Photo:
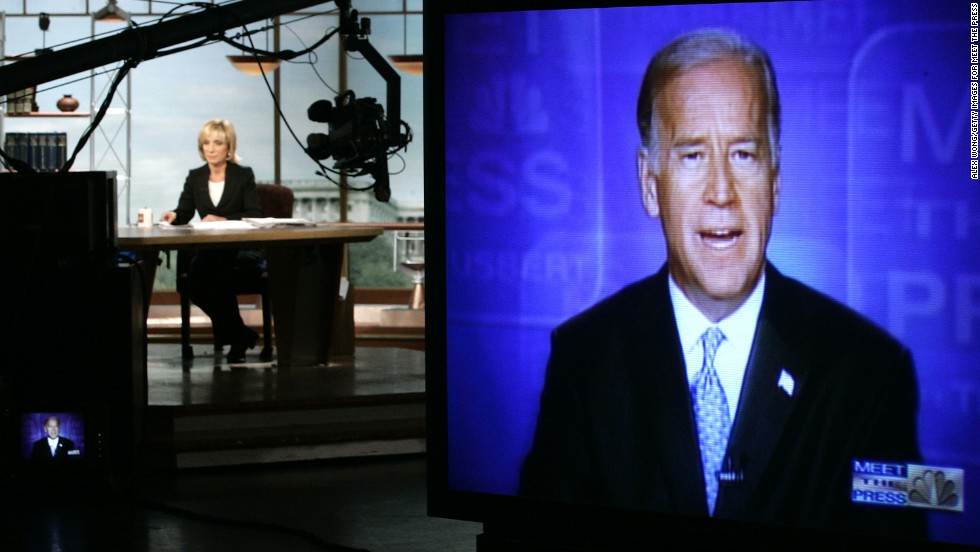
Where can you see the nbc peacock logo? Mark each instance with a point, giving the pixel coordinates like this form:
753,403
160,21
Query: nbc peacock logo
935,488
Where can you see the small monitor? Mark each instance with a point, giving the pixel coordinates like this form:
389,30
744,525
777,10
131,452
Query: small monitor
53,438
60,447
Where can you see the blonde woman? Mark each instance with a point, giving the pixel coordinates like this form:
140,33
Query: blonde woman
222,189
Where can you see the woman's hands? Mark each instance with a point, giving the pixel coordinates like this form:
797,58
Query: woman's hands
170,216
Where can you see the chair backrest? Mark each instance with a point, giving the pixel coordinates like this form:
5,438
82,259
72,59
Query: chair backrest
276,201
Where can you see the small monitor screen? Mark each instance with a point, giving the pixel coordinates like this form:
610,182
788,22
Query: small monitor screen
53,438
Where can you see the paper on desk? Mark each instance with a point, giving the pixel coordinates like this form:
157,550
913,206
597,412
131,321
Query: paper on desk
222,225
267,222
164,225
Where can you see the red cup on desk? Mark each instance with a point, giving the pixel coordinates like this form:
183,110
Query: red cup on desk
144,218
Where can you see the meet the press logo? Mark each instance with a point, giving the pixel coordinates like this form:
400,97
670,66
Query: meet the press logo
912,485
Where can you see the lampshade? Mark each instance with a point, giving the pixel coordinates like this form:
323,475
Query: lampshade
254,65
111,12
411,63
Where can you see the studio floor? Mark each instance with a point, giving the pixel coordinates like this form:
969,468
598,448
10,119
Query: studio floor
323,497
375,504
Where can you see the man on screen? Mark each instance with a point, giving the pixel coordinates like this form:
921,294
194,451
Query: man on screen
718,386
53,448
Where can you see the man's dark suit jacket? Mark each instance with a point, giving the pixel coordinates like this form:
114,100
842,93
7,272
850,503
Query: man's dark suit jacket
41,452
238,200
616,425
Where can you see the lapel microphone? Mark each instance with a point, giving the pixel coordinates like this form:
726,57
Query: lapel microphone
732,472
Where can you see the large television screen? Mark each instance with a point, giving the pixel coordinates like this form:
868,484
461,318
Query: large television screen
605,180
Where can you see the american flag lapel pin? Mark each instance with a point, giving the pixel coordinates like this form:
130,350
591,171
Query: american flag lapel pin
786,382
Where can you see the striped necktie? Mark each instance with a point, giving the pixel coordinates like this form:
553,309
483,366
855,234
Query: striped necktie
711,415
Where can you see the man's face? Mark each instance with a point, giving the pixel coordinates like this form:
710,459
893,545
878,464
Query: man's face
712,183
51,428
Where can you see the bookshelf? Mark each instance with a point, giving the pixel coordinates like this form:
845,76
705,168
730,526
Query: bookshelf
109,146
39,145
49,114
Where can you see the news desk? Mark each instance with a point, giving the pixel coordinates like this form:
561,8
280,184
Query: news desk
304,275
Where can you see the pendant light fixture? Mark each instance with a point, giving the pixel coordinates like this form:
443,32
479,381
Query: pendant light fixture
111,12
255,64
405,62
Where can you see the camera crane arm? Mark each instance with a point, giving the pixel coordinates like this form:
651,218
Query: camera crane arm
137,44
144,42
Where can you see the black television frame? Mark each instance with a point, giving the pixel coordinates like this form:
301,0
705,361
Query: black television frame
520,523
62,254
72,222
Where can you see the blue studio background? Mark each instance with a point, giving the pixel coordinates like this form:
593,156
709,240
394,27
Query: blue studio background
544,216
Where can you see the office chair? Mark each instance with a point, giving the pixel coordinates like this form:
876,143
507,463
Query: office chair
275,201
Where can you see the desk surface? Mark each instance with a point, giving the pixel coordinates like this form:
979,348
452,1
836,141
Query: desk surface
134,238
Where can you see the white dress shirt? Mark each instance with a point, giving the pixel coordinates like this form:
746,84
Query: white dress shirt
53,445
215,189
732,357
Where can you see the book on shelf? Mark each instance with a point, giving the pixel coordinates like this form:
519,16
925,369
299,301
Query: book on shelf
43,151
21,102
61,146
